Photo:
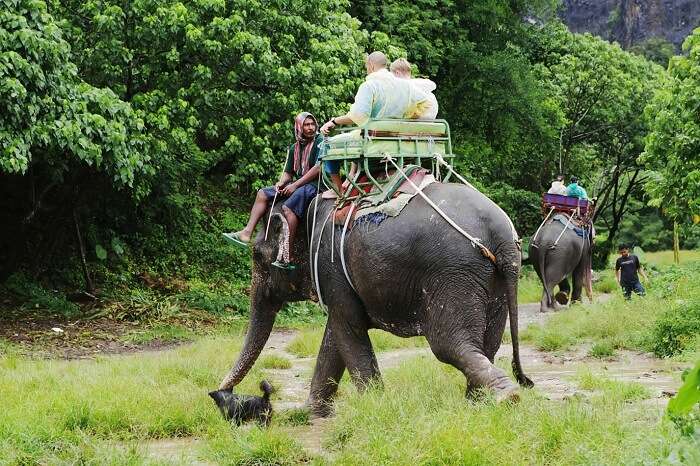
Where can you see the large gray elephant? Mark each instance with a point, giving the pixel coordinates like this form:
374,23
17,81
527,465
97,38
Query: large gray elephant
558,252
410,275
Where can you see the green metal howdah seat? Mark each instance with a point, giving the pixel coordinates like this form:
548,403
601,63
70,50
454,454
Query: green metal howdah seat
373,148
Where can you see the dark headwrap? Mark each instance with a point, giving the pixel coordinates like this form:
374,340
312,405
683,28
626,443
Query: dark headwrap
302,159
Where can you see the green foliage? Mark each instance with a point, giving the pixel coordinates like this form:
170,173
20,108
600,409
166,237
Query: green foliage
52,119
219,82
601,350
676,329
656,49
666,321
673,144
683,407
35,296
606,283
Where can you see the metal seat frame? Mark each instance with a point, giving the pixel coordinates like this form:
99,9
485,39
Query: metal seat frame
364,160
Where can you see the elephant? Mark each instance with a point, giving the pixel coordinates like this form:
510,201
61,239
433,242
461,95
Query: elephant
411,274
557,252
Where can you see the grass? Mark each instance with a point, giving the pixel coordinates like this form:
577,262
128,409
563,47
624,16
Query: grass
67,411
664,258
274,361
308,341
164,332
602,350
421,417
624,391
615,323
529,287
661,322
103,411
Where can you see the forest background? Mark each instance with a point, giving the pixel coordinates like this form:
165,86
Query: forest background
135,132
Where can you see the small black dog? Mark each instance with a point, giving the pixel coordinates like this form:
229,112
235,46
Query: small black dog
242,408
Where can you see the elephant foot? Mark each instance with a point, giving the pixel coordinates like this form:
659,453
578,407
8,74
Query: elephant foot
562,298
508,395
319,409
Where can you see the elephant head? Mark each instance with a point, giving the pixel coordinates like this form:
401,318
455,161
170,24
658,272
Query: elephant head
270,288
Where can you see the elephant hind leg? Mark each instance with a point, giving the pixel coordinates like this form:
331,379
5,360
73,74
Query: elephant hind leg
476,367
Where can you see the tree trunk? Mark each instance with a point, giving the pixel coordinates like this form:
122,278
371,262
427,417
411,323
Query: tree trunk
90,288
676,244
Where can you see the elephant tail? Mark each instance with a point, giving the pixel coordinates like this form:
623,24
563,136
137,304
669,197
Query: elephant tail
512,302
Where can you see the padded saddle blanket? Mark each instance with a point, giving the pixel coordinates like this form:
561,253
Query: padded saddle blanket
580,230
401,192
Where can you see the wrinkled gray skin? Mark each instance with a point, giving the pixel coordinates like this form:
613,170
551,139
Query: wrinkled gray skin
413,275
570,257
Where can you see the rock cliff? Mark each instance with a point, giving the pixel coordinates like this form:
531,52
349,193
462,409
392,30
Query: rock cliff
631,22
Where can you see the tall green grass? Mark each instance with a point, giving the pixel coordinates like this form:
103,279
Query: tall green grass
65,411
421,417
666,321
529,287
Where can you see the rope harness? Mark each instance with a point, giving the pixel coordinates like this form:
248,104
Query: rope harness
476,242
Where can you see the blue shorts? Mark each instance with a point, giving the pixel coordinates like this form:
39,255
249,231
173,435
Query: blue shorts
628,288
299,201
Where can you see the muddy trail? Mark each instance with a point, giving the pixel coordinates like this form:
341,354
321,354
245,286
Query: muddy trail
552,373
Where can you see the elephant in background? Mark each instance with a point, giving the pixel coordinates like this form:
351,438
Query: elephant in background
409,275
557,252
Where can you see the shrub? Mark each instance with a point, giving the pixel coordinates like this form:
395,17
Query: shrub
676,329
33,295
601,350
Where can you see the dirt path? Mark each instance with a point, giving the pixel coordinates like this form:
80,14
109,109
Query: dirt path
553,373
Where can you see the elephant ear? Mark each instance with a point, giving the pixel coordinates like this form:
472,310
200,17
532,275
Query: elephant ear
282,235
271,240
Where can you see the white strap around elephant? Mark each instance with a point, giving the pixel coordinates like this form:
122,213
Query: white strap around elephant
534,237
442,161
475,241
568,222
342,246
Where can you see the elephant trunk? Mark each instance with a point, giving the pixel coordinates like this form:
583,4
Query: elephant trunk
262,317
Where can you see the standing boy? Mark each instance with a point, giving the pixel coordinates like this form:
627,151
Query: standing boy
626,268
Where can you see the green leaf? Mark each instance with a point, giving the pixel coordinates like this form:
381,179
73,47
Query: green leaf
688,395
100,252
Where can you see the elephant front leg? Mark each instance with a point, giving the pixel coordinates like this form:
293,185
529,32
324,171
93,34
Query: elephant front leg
327,374
355,347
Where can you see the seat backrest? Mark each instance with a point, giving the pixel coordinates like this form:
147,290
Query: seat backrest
435,128
565,203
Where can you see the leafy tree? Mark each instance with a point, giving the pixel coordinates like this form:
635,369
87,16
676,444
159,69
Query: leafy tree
673,145
63,142
219,81
501,117
600,88
656,49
